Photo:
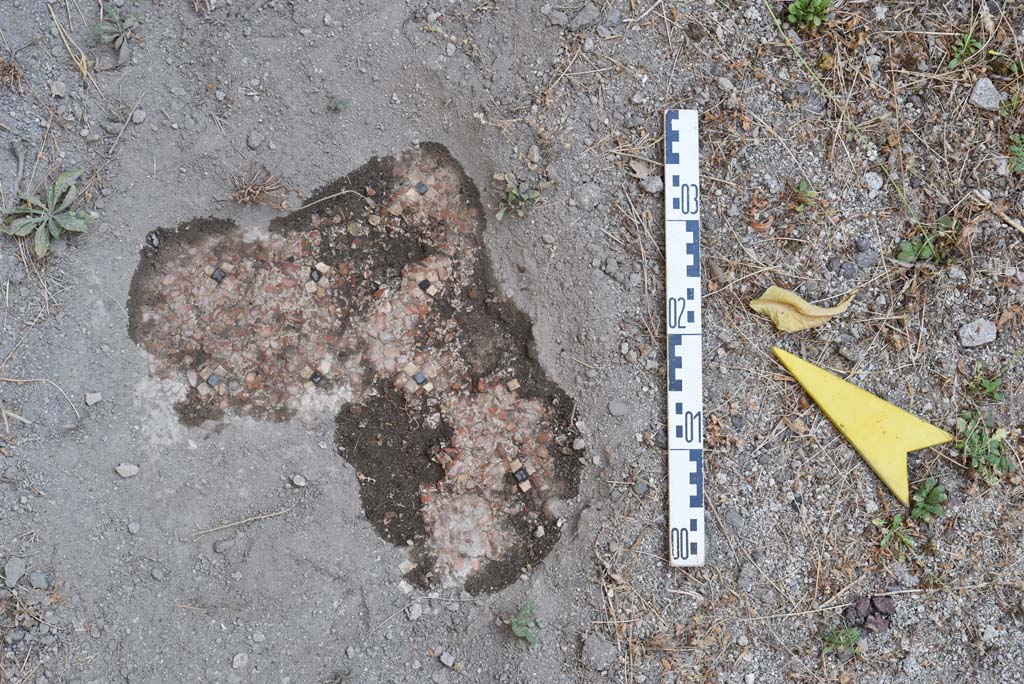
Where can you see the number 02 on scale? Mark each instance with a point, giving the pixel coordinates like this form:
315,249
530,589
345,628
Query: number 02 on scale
683,328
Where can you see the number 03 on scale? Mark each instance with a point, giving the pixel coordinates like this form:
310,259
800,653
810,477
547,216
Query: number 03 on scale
683,329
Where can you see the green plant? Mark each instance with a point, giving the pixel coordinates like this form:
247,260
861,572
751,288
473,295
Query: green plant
988,387
337,104
928,500
895,530
48,216
522,623
515,197
841,640
981,444
963,49
804,195
929,246
808,13
991,387
345,676
1017,152
116,28
1009,106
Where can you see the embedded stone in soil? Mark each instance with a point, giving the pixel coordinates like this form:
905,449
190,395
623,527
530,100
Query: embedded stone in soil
375,301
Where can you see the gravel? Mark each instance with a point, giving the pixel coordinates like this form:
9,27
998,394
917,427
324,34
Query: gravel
254,140
586,18
977,333
14,568
598,654
986,96
127,470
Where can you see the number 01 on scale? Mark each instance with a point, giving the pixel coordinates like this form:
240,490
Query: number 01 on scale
683,329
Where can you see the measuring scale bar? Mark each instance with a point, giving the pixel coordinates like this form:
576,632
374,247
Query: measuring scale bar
684,328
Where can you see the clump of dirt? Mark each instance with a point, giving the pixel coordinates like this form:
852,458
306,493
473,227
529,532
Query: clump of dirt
376,301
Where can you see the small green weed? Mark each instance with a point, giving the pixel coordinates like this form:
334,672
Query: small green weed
116,29
963,49
1017,152
841,640
337,104
981,444
988,387
894,533
804,195
522,623
930,246
808,13
516,198
49,216
991,386
1009,106
344,676
928,500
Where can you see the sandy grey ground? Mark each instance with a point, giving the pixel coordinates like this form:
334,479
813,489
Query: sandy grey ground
129,593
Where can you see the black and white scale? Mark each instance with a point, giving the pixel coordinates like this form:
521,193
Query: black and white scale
683,329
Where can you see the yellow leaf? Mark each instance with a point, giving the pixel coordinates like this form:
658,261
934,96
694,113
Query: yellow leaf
790,313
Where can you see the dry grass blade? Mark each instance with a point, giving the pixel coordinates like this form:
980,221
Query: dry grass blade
258,186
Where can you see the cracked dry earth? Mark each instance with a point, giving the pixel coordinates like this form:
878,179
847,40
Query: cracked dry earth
374,302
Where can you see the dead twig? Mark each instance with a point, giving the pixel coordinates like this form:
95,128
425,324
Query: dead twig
258,186
25,381
255,518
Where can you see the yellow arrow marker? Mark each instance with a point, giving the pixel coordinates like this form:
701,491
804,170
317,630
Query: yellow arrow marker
880,432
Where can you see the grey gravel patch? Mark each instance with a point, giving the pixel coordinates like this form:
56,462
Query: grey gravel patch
652,184
39,580
977,333
222,545
14,568
254,140
986,96
586,18
587,196
598,654
874,182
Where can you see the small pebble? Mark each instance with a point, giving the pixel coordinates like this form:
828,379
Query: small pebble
617,407
977,333
93,398
127,470
138,116
447,659
986,96
239,661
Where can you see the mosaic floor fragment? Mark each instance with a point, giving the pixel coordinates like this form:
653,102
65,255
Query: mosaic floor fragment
376,302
